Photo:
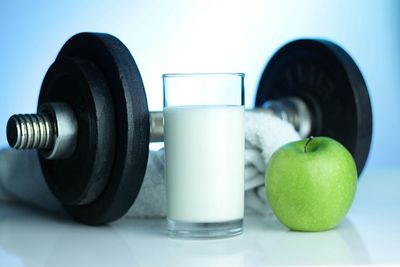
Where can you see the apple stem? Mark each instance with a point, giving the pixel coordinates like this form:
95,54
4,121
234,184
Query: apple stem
308,141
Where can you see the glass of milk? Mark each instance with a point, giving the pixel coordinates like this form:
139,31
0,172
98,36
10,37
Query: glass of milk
204,146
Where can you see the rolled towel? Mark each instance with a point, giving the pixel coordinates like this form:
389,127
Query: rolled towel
21,178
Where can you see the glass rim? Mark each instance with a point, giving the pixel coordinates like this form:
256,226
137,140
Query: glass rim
194,74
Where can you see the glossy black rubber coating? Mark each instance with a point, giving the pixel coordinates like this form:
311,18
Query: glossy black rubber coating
81,178
125,163
329,81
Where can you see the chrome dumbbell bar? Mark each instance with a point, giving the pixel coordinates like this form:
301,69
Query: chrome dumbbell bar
54,129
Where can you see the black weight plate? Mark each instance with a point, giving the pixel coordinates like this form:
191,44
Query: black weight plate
125,85
323,75
81,178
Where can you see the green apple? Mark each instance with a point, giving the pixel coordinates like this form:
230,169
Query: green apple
311,183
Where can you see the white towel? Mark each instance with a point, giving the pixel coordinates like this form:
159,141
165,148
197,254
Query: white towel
21,178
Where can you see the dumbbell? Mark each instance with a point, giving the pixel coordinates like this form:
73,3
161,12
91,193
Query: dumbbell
93,126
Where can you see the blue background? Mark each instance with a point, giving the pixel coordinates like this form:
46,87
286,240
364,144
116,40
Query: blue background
206,36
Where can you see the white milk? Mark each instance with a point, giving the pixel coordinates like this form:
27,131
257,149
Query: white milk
204,163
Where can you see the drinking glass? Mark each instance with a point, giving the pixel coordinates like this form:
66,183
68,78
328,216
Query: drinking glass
204,146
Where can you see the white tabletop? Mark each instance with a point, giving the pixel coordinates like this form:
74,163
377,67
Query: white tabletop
370,234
